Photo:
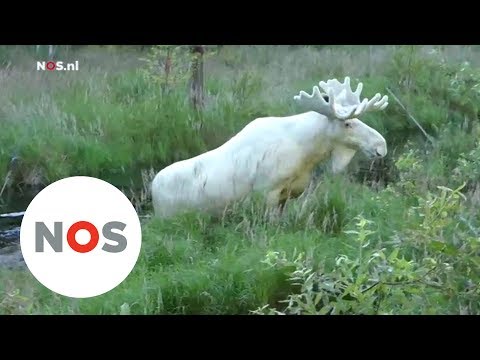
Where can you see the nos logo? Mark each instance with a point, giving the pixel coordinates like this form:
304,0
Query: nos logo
55,240
80,237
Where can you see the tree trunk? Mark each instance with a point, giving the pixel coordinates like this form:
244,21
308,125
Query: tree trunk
51,51
197,80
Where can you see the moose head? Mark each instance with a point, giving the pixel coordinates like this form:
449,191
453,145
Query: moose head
342,107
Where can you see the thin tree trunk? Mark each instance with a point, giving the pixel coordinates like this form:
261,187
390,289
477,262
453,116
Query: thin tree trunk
51,51
167,69
197,80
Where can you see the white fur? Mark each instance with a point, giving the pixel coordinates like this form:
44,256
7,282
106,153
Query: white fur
272,155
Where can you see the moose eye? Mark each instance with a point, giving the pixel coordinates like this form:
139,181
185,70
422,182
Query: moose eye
348,124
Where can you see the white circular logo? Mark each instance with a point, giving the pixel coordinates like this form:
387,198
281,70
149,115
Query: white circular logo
80,237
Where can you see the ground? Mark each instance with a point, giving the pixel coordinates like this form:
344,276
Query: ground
399,236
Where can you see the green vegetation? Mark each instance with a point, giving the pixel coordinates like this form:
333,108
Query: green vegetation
401,236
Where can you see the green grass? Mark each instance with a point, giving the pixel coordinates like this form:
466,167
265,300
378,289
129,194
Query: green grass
387,239
201,265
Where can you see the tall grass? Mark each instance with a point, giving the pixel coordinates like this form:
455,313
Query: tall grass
397,237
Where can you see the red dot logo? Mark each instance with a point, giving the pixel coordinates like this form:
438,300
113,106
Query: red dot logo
83,225
51,65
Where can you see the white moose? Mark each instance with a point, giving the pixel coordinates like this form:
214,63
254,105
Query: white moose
274,155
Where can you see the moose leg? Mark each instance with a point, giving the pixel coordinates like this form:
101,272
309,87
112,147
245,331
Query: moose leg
297,187
281,204
300,184
277,198
273,198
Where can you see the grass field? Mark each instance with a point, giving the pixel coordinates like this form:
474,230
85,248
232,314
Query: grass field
401,236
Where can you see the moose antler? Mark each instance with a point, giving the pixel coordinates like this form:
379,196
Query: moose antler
342,102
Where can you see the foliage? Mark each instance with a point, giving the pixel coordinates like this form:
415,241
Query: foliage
406,242
389,281
167,66
468,165
170,66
